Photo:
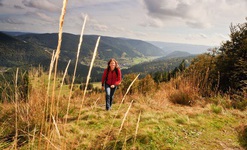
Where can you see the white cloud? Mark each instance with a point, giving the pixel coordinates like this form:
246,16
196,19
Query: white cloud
219,35
11,20
99,27
18,7
185,21
196,36
195,14
152,22
44,17
42,5
203,35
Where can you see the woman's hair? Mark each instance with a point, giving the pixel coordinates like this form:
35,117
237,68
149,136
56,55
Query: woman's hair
112,59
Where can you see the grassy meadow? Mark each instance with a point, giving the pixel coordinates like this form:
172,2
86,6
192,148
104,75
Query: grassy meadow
60,116
136,121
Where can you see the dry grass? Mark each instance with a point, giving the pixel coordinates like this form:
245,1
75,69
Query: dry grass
153,122
89,74
159,119
77,57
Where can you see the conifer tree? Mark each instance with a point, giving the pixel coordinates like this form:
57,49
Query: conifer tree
232,60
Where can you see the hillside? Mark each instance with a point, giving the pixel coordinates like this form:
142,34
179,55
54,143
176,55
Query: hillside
17,53
31,49
14,52
34,48
109,47
149,121
160,64
176,54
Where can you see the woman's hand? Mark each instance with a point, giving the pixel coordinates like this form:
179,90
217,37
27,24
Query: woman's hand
112,86
103,88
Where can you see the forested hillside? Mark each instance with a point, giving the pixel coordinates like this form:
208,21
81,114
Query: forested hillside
109,47
14,52
36,49
165,65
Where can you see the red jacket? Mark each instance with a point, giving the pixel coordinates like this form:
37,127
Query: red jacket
113,78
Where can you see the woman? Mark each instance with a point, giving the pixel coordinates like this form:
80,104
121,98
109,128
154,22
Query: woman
110,80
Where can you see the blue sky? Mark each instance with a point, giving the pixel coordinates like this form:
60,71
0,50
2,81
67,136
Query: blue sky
201,22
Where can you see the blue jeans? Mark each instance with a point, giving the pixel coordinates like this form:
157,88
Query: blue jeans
109,95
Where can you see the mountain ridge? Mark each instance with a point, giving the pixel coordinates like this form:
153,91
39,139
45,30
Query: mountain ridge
124,50
117,46
169,47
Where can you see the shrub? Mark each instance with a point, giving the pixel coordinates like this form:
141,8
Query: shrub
180,97
127,80
239,102
146,85
223,101
216,109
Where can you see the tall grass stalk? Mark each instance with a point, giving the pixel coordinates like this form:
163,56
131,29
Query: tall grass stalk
125,142
124,118
58,52
49,82
28,129
56,60
50,71
61,86
16,109
77,57
137,126
118,110
95,103
49,141
88,76
128,91
34,131
46,105
56,127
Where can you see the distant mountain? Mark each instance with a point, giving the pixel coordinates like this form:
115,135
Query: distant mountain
17,53
35,49
109,47
176,54
165,64
12,33
14,52
190,48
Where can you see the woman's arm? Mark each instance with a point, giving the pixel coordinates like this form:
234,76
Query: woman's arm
103,78
119,77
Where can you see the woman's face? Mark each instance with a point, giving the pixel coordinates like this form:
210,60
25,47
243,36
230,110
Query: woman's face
112,65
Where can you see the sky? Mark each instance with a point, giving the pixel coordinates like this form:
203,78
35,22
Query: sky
200,22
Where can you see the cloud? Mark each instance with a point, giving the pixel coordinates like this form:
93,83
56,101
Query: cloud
203,35
152,22
198,24
196,36
221,36
196,14
42,5
11,20
40,15
18,7
164,9
44,17
193,13
95,25
99,27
